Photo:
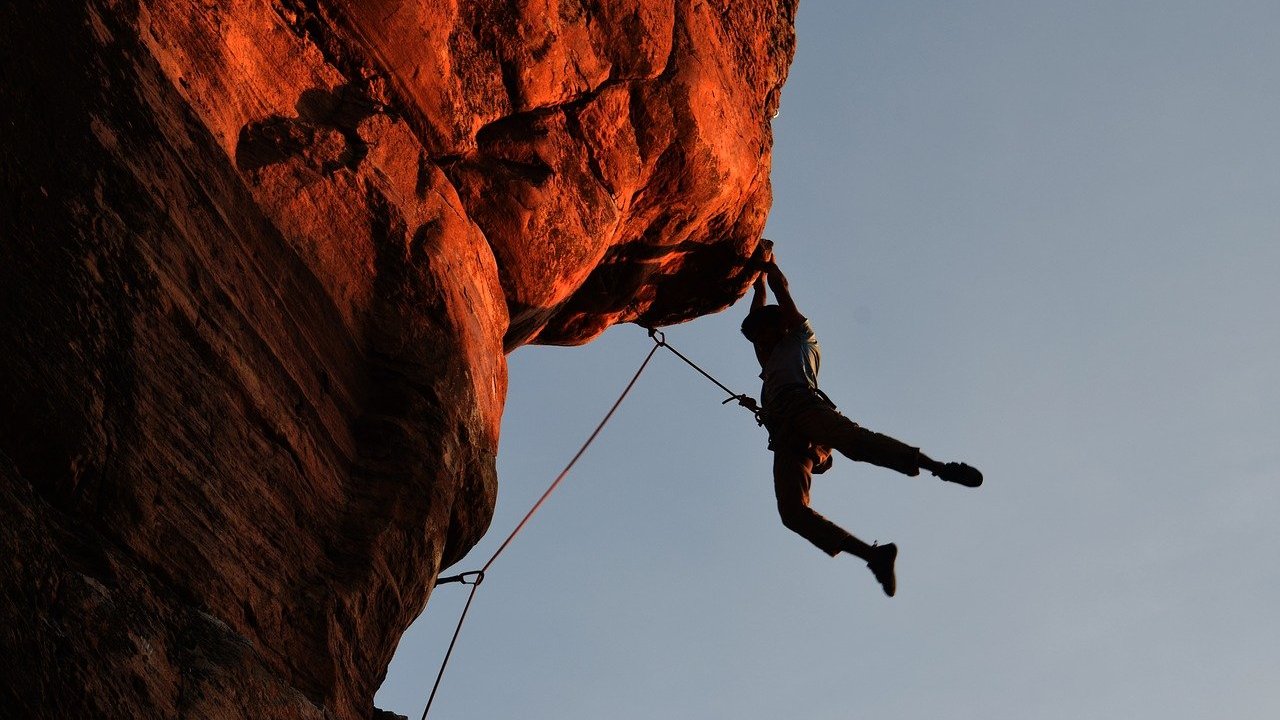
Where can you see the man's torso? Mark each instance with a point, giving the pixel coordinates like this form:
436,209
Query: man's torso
792,364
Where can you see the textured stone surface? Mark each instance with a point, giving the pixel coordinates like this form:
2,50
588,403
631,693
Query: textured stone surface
261,264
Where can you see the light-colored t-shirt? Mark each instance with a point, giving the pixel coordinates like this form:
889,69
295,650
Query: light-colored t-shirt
794,361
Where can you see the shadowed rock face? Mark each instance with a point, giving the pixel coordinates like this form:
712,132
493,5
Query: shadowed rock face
261,263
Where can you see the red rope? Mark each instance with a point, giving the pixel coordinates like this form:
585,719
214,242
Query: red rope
554,484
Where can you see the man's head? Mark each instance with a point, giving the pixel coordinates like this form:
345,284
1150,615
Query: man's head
763,324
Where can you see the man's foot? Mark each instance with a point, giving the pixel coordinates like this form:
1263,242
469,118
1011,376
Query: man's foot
881,565
960,474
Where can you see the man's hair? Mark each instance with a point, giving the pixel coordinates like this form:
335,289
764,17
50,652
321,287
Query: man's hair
759,319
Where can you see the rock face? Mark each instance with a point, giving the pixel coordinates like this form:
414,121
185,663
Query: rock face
261,263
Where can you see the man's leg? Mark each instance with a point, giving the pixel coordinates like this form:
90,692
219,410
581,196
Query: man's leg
825,426
792,475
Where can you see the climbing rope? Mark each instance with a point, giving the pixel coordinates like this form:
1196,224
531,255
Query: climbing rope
745,401
475,577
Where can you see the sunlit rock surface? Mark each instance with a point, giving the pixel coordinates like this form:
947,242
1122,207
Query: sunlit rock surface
261,263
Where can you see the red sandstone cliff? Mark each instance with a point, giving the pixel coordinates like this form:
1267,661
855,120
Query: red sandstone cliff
261,262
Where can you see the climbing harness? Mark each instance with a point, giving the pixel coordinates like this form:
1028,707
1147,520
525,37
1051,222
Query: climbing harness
475,577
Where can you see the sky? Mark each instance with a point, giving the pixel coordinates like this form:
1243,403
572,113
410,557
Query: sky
1039,237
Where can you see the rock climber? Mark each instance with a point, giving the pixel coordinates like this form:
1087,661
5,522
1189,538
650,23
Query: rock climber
804,425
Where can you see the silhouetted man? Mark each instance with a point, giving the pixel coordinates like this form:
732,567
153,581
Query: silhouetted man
804,426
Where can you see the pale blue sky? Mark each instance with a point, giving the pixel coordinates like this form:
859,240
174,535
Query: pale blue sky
1043,237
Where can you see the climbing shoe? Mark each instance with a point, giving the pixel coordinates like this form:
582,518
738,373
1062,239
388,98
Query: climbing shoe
960,474
881,565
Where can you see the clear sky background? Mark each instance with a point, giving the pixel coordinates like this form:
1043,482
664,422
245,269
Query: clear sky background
1042,237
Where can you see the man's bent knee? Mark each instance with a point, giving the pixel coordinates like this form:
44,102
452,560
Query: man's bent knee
796,517
810,525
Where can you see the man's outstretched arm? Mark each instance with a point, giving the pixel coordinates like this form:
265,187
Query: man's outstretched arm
791,315
765,253
760,296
